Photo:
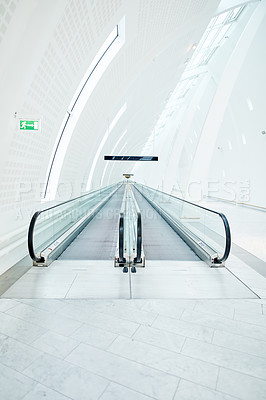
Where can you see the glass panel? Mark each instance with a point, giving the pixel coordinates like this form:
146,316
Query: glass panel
209,54
235,13
221,34
210,37
130,211
54,222
221,18
204,226
197,60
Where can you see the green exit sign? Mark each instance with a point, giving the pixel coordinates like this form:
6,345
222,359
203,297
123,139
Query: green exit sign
26,125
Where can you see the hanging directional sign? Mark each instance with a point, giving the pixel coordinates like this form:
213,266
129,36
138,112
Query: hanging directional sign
131,158
26,125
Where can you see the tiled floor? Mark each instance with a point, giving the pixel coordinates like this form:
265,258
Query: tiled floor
159,279
58,349
173,331
83,330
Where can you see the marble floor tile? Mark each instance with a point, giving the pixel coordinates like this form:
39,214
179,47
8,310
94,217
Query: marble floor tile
242,386
7,304
248,306
191,391
235,360
165,360
251,301
98,287
118,392
15,354
111,352
14,385
100,320
67,379
93,336
157,337
224,324
51,305
41,392
83,306
57,323
125,311
45,279
251,318
81,309
170,308
101,305
260,292
32,290
213,284
240,343
16,328
132,303
55,344
223,308
184,328
130,374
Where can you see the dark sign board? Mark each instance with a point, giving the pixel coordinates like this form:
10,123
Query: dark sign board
131,158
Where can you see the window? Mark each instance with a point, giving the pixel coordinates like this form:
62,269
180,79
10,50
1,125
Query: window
216,31
213,36
103,58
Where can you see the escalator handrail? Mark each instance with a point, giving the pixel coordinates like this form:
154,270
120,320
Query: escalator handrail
227,239
221,215
76,198
138,258
121,258
32,254
35,216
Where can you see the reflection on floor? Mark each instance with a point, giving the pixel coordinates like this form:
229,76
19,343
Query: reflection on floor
61,349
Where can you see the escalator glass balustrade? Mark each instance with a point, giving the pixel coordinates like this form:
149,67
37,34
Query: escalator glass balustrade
51,230
206,231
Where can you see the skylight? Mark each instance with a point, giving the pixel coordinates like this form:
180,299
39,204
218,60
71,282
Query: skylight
212,38
103,58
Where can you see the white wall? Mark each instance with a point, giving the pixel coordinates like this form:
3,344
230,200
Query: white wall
230,156
214,145
241,159
46,47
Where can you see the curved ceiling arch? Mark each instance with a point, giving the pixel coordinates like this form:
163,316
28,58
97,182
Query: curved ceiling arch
100,63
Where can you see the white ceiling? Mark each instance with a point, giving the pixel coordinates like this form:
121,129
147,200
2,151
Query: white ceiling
159,39
46,48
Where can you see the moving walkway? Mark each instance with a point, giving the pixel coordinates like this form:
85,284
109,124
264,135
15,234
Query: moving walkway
113,223
53,229
205,231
